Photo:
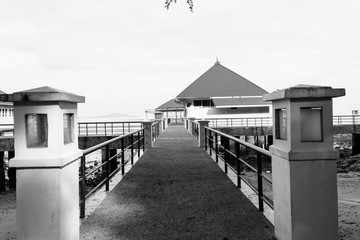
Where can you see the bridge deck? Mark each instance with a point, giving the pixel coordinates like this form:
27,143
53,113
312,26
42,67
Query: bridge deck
176,191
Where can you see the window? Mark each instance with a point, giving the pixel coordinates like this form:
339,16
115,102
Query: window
311,124
197,103
36,126
281,124
68,128
203,103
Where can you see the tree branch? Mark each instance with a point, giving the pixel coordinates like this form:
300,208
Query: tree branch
189,2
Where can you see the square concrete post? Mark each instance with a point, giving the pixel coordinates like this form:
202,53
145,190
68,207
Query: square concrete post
190,121
304,163
46,146
148,134
165,120
202,124
160,123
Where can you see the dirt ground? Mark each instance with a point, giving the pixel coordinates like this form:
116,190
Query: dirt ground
349,205
348,196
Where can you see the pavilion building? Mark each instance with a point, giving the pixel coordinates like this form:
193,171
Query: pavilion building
222,93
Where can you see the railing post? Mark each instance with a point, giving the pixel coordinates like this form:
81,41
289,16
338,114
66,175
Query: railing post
122,156
237,152
260,182
132,148
82,187
225,144
216,147
107,172
143,139
148,137
202,132
355,143
210,141
304,163
139,144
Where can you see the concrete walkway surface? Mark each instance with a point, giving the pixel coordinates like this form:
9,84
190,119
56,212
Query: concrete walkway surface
176,191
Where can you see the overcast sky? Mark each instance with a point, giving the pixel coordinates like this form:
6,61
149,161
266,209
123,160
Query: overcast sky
128,56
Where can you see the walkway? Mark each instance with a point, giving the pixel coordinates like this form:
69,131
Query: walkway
176,191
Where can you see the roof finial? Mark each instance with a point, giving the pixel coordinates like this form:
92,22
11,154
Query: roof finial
217,60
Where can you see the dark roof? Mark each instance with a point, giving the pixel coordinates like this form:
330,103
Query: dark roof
45,93
171,104
232,102
220,81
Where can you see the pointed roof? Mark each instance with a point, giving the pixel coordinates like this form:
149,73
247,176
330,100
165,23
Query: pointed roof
171,104
220,81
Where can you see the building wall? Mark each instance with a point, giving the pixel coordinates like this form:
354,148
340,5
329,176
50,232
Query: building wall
238,112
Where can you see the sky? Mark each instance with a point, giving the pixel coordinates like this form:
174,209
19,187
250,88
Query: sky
128,56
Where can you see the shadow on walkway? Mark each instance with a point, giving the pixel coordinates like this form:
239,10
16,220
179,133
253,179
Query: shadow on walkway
176,191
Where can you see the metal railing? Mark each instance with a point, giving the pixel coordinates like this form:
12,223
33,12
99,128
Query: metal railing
107,128
268,121
240,122
135,142
346,120
237,155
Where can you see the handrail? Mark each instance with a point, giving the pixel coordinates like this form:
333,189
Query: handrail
268,121
101,145
138,144
108,128
212,138
249,145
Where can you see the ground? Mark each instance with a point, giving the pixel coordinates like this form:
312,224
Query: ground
349,209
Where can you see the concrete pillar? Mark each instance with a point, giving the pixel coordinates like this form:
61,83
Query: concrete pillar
165,123
304,163
190,121
160,123
2,172
47,174
202,124
11,171
148,134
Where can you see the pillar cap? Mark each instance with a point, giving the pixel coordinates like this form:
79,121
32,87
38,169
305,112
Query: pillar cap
42,94
305,91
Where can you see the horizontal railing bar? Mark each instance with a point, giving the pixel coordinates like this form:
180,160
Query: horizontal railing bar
97,187
249,145
96,147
